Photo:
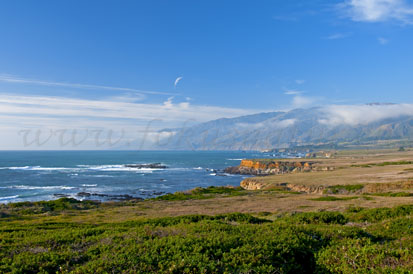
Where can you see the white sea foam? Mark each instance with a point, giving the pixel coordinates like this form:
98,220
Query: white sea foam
91,185
16,168
178,169
100,176
198,167
37,187
9,197
83,168
235,159
118,168
39,168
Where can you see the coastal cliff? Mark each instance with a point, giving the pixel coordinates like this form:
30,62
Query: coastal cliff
270,167
254,184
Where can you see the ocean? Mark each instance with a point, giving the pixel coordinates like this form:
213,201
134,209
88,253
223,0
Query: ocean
102,175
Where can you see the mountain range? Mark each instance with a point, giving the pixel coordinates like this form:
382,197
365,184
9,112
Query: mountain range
334,125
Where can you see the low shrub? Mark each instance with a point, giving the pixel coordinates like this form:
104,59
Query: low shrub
392,194
24,208
343,188
320,218
379,214
333,198
202,193
317,242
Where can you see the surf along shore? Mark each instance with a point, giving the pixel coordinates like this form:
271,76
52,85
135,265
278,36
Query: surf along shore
351,212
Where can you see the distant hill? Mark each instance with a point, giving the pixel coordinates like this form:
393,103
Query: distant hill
377,124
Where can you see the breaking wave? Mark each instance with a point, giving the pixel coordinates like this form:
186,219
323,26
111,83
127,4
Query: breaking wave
9,197
37,187
83,168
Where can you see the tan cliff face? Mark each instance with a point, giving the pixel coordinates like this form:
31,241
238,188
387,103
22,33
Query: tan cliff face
254,184
269,167
263,167
274,164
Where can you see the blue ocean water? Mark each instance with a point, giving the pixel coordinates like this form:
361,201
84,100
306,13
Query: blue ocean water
46,175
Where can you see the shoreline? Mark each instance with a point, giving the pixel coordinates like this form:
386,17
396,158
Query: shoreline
360,221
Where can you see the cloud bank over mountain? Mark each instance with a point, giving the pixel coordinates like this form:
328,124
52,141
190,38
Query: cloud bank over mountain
318,125
363,114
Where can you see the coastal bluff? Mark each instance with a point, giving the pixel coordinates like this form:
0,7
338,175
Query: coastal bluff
272,167
265,167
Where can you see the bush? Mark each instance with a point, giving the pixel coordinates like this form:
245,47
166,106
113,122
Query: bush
343,188
379,214
318,242
321,218
202,193
333,198
24,208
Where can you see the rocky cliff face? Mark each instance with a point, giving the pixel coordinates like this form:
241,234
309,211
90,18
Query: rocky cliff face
254,184
269,167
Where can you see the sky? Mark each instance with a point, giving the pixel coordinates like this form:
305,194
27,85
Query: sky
126,69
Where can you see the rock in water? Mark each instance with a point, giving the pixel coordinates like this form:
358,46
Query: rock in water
154,165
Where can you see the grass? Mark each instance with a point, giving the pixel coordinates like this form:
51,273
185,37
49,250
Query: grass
333,198
202,193
29,208
392,194
396,163
314,242
280,189
343,188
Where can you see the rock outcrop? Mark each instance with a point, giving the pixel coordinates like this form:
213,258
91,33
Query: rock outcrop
269,167
139,166
256,184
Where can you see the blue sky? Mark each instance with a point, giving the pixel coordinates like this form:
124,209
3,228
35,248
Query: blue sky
112,64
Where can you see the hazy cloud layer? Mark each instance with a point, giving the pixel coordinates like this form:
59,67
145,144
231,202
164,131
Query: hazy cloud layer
18,80
363,114
24,112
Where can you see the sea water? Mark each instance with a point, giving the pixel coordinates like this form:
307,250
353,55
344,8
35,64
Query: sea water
46,175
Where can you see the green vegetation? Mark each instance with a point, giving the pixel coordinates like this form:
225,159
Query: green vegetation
385,164
280,189
322,242
392,194
27,208
333,198
202,193
380,214
343,188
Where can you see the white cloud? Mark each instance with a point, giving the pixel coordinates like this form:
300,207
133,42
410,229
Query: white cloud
299,81
46,113
18,80
184,105
168,103
285,123
382,41
292,92
300,101
379,10
279,124
337,36
363,114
